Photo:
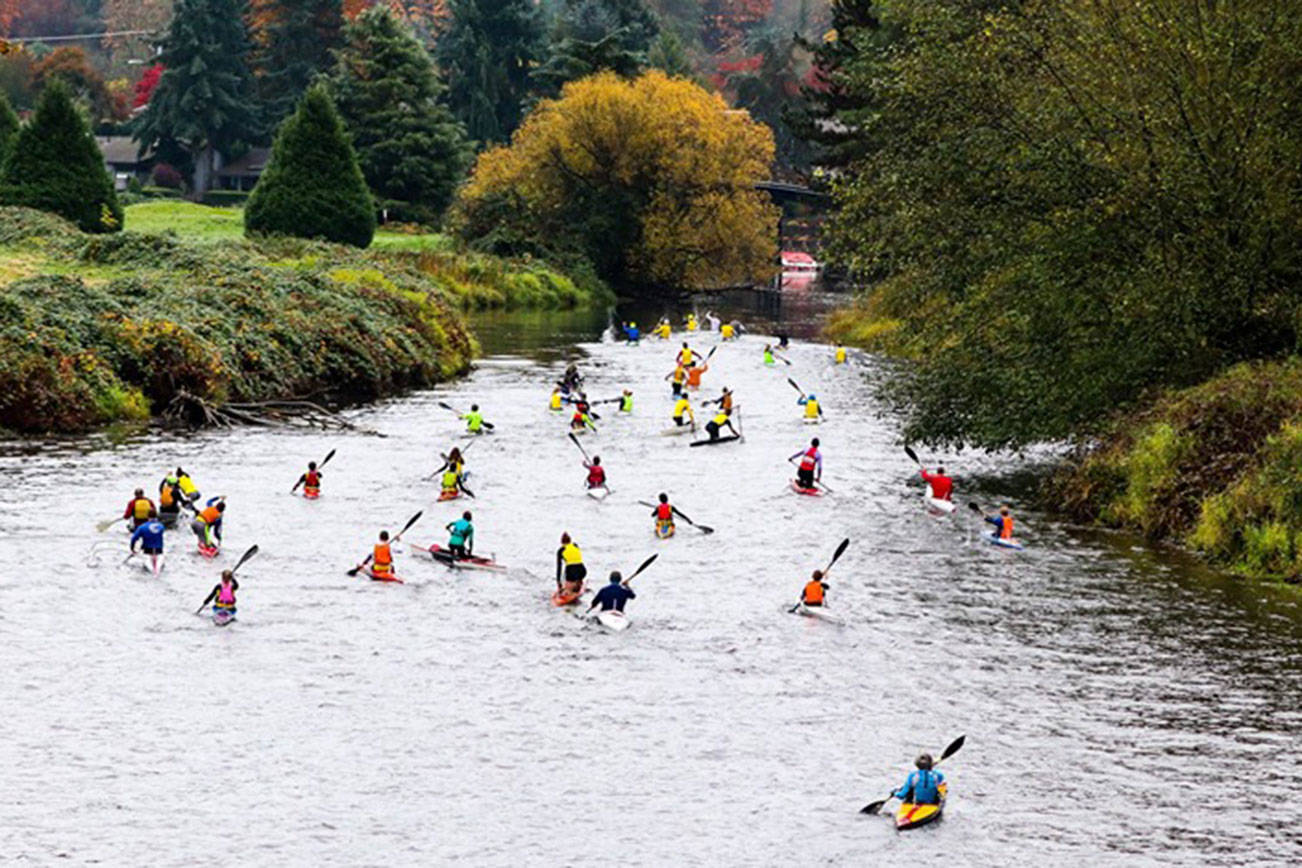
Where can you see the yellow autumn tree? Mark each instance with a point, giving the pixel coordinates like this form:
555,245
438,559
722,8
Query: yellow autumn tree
651,179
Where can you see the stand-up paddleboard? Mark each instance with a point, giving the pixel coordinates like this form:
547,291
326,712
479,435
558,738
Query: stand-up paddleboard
613,620
808,492
474,562
993,539
568,598
222,616
728,439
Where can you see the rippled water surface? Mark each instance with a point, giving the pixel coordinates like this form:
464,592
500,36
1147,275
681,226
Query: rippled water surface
1122,706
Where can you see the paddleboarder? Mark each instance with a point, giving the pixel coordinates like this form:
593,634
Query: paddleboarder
722,418
815,591
140,509
569,565
311,481
461,542
150,537
222,595
614,596
942,487
922,786
811,461
683,413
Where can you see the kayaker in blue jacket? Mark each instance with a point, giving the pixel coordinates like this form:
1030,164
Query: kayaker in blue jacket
614,595
922,787
461,543
150,537
632,332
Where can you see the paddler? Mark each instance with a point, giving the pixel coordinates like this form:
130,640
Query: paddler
724,401
596,473
683,413
222,596
170,501
581,420
140,509
721,419
942,487
840,357
727,332
381,558
188,488
664,516
691,323
207,525
768,355
711,321
783,342
679,375
557,401
687,356
626,402
569,564
810,460
810,403
632,332
150,537
694,375
572,379
474,420
664,329
452,469
921,787
1003,522
311,481
613,596
461,542
815,592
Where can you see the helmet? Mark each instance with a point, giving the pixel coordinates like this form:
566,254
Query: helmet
813,397
923,762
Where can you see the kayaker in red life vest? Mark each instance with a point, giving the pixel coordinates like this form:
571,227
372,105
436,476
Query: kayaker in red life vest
1003,522
811,460
942,487
664,515
140,509
311,481
815,590
596,473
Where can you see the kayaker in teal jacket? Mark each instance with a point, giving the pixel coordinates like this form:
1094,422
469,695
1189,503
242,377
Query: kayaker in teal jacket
462,541
922,787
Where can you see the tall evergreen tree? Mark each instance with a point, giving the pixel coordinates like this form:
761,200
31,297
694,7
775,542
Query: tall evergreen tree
485,56
412,151
590,36
204,104
56,166
313,187
8,128
293,41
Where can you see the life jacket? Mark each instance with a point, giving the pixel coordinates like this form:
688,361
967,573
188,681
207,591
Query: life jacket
596,475
450,480
187,485
312,479
682,407
680,374
726,403
626,404
167,495
382,559
685,356
664,512
211,515
694,376
1006,527
726,331
809,460
556,401
578,420
691,325
226,596
811,409
768,357
571,554
474,421
840,355
140,508
814,593
721,419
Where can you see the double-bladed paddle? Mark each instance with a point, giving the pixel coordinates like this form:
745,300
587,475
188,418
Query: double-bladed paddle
840,550
908,450
646,563
796,386
322,463
575,441
488,425
874,807
406,527
701,527
105,525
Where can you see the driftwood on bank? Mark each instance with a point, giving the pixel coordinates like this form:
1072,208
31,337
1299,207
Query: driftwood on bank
188,409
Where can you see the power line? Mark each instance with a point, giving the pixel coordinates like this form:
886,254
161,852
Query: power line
73,37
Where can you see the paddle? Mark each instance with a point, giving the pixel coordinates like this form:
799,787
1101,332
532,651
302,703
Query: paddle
406,527
322,463
711,352
840,550
253,550
105,525
818,483
874,807
575,441
488,425
908,450
702,528
646,563
796,386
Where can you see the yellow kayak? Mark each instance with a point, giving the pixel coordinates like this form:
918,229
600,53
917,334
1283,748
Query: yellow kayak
911,816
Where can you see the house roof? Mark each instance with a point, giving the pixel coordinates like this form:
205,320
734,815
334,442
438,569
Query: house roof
251,165
121,150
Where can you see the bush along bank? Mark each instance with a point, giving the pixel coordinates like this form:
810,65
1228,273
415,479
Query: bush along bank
97,329
1216,467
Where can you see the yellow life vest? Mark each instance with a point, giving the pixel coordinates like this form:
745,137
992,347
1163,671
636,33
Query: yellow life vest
682,407
721,419
187,486
571,555
840,355
811,409
556,401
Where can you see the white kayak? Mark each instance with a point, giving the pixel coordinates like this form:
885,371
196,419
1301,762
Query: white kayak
613,620
1003,543
678,429
938,507
819,612
599,493
812,420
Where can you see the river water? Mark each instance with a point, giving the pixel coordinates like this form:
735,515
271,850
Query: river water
1122,706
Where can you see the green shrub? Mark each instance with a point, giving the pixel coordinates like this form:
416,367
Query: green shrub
225,198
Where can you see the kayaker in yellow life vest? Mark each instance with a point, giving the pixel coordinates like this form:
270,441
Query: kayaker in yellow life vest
679,375
726,331
188,488
812,409
626,402
815,592
664,330
691,322
687,356
840,355
474,420
453,469
718,422
683,413
557,402
569,563
140,509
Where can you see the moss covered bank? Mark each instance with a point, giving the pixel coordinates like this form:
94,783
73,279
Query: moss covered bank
97,329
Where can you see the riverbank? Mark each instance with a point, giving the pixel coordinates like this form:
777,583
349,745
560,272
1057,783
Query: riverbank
101,329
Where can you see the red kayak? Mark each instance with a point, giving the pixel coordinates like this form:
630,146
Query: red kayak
310,494
567,598
474,562
808,492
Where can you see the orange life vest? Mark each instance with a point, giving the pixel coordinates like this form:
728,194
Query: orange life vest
211,514
814,593
664,512
694,376
383,558
166,496
685,357
1006,529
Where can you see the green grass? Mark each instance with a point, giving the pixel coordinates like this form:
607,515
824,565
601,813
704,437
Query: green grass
206,224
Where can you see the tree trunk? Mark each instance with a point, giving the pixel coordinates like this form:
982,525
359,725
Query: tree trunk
201,179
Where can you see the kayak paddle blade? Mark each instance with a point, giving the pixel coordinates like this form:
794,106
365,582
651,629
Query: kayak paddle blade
795,386
953,747
873,807
326,460
840,550
253,550
908,450
973,506
646,563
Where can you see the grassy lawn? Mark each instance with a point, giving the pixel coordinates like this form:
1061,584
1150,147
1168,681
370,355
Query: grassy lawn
206,224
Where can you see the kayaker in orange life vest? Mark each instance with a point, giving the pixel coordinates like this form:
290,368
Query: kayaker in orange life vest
207,525
171,500
942,487
381,557
810,460
311,481
1003,522
815,590
140,509
663,515
694,375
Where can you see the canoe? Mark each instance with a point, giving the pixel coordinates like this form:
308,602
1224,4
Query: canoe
567,598
384,577
1003,543
449,494
911,816
613,620
678,429
938,507
473,562
808,492
664,530
728,439
222,616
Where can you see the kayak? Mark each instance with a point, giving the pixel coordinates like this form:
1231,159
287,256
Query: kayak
911,816
664,530
598,495
449,494
473,562
938,507
311,495
384,577
808,492
567,598
613,620
222,616
819,612
812,420
579,432
728,439
679,429
169,519
208,551
1003,543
